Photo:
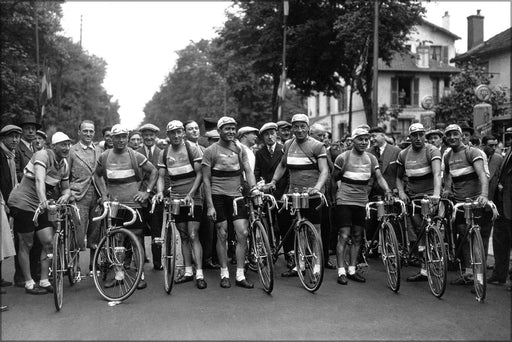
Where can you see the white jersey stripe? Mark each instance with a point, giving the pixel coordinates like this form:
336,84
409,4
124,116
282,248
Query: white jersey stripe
298,161
418,172
362,176
462,171
179,170
120,174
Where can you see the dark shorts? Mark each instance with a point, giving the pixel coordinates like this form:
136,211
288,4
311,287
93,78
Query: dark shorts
23,221
224,208
184,216
313,215
124,215
349,216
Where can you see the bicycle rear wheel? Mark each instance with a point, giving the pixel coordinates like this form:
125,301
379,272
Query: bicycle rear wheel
263,255
437,263
478,263
169,256
58,269
73,252
390,255
118,264
309,256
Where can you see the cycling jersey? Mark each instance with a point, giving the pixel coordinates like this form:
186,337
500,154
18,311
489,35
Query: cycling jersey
418,169
25,197
466,183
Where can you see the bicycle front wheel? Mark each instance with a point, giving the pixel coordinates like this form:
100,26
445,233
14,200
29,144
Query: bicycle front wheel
390,255
118,264
263,256
169,256
478,263
58,269
437,265
309,256
73,252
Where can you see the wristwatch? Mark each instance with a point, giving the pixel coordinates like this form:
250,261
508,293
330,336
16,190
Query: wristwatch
148,190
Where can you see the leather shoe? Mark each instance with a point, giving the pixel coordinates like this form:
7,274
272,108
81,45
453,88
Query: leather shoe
211,265
5,283
290,273
48,288
417,277
201,283
494,280
184,279
158,267
36,290
356,277
112,283
342,279
224,283
244,283
329,265
142,284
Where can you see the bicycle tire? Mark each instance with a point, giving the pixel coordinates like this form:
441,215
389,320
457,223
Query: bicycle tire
169,256
73,253
437,262
58,269
309,258
390,255
478,263
251,262
119,254
263,255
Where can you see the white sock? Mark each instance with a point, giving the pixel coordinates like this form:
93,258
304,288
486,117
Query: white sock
188,271
240,274
342,271
44,282
199,274
142,276
224,273
29,284
423,272
351,270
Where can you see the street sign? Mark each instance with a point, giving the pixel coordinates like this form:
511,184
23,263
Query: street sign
427,102
483,93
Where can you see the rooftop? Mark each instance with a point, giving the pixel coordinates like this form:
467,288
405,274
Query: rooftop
407,62
499,43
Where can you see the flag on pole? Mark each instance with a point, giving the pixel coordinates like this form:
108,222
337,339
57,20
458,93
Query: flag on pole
286,8
46,89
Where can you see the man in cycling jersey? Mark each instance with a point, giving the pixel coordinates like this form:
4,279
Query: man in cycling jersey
421,163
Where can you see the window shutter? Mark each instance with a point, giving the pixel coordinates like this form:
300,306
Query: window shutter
416,92
394,91
444,54
435,90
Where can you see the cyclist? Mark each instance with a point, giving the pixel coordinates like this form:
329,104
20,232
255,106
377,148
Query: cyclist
182,160
464,177
46,173
306,160
223,165
421,163
119,174
354,168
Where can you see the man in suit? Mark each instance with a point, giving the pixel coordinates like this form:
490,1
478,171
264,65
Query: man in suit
24,152
152,153
83,158
267,160
502,235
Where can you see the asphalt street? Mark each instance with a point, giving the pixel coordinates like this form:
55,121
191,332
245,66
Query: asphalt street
358,311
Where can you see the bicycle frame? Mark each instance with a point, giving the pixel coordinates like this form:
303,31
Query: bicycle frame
387,217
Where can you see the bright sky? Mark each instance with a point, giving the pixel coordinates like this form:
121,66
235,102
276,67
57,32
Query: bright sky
138,40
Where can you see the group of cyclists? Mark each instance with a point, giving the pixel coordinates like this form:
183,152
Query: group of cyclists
136,168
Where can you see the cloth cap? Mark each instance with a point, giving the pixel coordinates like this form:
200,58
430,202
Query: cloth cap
267,126
212,134
508,131
358,132
149,127
42,134
365,126
119,129
224,121
247,129
376,130
453,127
59,137
300,118
432,132
10,128
416,127
465,127
283,124
174,124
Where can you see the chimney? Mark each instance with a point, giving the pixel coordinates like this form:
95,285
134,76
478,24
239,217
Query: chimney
475,30
446,21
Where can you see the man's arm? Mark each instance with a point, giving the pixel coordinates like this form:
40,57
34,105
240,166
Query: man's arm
324,173
207,172
197,180
382,182
100,183
400,184
66,192
147,168
160,184
40,177
484,182
436,171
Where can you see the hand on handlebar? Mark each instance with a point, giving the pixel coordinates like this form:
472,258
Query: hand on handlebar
434,200
388,197
188,199
268,187
482,200
159,197
64,199
313,191
141,196
403,196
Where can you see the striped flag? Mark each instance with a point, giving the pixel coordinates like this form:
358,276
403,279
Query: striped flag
46,89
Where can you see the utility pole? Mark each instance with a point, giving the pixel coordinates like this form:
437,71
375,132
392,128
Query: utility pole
80,30
375,97
37,59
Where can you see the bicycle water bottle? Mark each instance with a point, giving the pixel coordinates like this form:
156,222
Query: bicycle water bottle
296,199
467,208
425,206
304,198
380,207
52,213
114,208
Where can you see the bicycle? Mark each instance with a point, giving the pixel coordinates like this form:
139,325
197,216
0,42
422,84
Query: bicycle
119,259
168,240
66,251
259,241
388,243
436,255
476,245
309,258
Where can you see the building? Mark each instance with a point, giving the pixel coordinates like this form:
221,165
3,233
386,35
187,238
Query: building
408,79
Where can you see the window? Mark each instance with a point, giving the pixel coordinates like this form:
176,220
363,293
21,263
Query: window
317,103
328,105
440,88
435,90
403,126
438,53
404,91
342,100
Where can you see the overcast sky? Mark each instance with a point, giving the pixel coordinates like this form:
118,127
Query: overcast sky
138,40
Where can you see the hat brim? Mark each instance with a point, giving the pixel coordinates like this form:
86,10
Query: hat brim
38,126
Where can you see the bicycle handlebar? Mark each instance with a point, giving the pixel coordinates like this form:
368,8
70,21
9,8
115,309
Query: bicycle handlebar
369,208
474,205
323,201
40,210
107,207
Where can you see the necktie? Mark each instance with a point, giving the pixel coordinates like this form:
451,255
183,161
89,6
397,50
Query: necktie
150,155
377,152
